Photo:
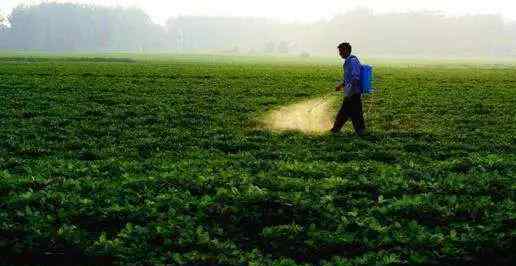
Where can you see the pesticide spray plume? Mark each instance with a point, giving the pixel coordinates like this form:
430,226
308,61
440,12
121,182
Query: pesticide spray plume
319,103
311,117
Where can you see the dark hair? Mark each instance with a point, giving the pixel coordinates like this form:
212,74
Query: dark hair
345,45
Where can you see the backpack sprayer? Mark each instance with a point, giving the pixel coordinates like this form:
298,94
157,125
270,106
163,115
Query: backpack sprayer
366,85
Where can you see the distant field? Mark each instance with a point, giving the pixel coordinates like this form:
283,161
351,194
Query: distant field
292,59
155,160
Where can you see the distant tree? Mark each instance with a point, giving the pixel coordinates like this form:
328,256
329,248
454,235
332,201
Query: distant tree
236,49
283,47
3,33
304,54
3,23
74,27
511,35
270,47
217,33
414,33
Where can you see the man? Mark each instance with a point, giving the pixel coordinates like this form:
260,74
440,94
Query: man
352,104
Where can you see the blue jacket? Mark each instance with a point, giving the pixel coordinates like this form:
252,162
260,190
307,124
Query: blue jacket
352,74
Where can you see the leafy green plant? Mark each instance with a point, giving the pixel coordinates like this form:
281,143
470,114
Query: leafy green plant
143,162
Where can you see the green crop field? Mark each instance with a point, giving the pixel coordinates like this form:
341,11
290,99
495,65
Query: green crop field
163,161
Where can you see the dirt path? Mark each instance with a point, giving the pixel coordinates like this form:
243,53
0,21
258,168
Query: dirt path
311,117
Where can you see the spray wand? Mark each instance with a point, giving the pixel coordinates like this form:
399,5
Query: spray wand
323,100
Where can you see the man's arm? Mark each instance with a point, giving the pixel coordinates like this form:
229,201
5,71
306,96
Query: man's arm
341,86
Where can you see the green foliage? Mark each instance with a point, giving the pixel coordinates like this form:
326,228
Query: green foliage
152,162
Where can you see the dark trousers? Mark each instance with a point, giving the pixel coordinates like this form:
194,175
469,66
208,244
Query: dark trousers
351,109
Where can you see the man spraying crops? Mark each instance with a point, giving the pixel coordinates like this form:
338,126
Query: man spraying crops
352,104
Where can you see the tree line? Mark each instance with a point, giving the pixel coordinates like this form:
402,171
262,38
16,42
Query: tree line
65,27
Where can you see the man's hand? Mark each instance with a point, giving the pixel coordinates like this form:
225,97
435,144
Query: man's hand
339,87
348,90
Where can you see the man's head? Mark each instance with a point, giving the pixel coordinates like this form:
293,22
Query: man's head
344,49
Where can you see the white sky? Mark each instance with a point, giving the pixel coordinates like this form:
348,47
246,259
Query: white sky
291,10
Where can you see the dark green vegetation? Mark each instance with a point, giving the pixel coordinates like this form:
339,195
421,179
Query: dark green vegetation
160,162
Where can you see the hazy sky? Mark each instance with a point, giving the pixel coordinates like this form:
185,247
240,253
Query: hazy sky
292,10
